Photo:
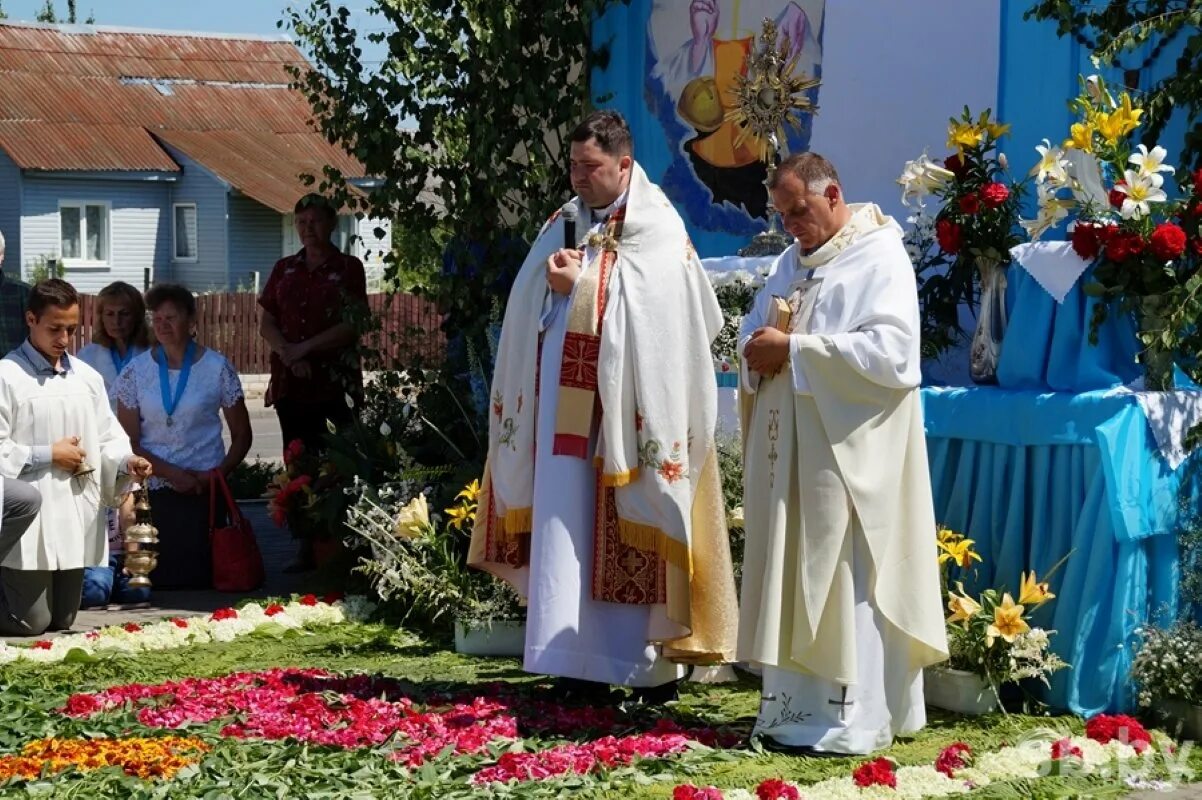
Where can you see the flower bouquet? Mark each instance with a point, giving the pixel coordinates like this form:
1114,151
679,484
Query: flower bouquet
1146,247
735,290
989,635
1168,672
973,232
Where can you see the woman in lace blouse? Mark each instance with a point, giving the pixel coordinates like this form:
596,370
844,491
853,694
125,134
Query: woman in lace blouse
170,400
119,336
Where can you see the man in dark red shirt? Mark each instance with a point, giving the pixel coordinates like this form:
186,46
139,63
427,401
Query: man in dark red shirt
314,304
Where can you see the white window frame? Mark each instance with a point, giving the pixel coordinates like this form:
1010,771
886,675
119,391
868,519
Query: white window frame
82,205
175,235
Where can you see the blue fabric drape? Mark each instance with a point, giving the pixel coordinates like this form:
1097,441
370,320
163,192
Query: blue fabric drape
1032,476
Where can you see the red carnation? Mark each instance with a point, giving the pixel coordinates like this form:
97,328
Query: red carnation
273,609
1197,245
42,644
82,705
1085,240
1168,241
878,772
1123,245
1107,727
308,600
955,165
994,194
776,789
949,235
132,627
224,613
1116,197
953,757
294,450
970,204
180,622
690,792
1064,748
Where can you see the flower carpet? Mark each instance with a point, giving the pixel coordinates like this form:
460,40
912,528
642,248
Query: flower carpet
298,699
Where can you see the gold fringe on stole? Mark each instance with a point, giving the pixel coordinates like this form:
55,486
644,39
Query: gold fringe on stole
618,479
518,520
654,540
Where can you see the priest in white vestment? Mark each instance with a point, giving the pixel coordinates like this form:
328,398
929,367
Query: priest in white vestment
59,435
840,596
600,501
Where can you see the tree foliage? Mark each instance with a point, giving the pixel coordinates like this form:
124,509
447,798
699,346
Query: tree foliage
48,14
464,121
1119,26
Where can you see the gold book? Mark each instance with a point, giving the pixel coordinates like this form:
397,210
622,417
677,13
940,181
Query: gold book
780,315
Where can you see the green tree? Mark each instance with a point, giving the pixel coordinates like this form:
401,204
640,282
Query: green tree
464,120
1117,27
2,14
48,14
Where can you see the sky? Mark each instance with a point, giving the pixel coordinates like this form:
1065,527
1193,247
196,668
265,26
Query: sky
209,16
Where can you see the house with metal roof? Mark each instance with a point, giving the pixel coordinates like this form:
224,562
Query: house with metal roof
128,153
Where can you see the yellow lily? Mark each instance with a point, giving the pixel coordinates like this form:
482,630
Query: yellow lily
1033,593
470,491
997,130
1080,137
460,515
1127,115
963,134
959,551
963,607
1008,621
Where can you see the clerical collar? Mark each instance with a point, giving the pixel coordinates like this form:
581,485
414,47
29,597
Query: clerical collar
41,365
599,215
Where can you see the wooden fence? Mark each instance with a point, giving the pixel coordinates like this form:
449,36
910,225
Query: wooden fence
407,329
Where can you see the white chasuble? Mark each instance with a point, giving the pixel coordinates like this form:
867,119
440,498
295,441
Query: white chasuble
600,501
39,409
840,596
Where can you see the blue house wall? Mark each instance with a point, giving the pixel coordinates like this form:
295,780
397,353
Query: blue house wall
10,213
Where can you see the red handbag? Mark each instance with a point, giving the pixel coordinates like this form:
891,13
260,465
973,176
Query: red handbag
237,562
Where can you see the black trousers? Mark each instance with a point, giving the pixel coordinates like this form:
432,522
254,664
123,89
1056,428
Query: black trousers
307,421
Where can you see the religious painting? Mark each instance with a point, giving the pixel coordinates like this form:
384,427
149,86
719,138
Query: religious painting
696,52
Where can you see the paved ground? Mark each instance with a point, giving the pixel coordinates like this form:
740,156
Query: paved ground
278,550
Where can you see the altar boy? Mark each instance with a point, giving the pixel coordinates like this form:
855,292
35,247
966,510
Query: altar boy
58,434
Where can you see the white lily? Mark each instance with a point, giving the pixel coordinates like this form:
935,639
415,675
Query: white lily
1097,92
1052,209
413,518
1052,165
921,177
1141,191
1151,161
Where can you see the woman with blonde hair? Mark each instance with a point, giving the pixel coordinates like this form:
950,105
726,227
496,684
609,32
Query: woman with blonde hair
118,334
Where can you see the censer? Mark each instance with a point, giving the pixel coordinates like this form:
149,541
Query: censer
141,542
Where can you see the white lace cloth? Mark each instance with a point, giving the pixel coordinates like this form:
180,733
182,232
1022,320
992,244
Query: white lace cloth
1054,265
1170,415
194,440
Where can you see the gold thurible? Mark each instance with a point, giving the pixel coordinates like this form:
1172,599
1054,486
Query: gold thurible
141,542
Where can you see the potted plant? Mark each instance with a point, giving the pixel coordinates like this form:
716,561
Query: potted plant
1168,672
990,640
416,561
1146,247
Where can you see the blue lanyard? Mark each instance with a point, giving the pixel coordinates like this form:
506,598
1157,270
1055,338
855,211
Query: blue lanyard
169,402
119,362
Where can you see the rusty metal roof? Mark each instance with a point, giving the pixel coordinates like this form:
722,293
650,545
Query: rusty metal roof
97,98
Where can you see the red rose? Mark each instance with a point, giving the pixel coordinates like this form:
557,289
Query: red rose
955,165
1168,241
953,757
1197,245
294,450
878,772
308,600
180,622
1107,727
1064,748
776,789
273,609
690,792
132,627
1085,240
224,613
994,194
949,235
1123,245
1116,197
970,204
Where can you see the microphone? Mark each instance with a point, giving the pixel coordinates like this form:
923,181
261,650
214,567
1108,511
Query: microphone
568,212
